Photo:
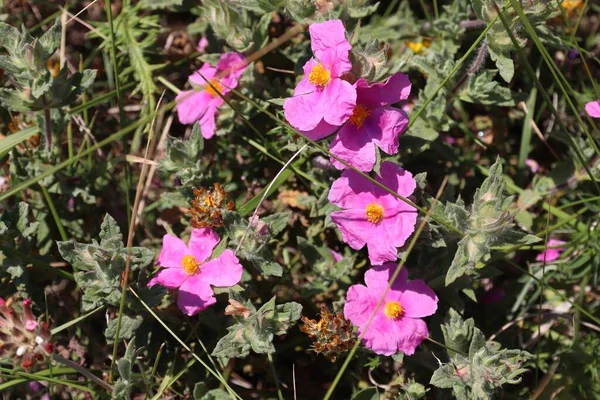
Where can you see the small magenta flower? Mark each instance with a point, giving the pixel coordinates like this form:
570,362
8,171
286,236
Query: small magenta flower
322,98
186,268
593,109
202,104
373,123
371,215
397,324
551,254
202,44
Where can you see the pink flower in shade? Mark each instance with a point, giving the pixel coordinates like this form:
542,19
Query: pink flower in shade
551,254
202,104
322,98
397,324
186,268
202,44
371,215
593,109
30,322
373,123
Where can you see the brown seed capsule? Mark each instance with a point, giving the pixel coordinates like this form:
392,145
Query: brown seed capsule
332,335
208,206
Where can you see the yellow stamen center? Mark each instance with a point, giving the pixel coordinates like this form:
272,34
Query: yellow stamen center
374,213
571,4
359,115
319,76
393,309
190,265
218,88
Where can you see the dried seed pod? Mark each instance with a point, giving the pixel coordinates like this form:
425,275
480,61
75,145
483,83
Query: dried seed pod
332,335
208,206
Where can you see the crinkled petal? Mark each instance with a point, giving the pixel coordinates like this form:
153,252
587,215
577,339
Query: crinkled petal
172,251
385,125
354,227
418,299
301,110
207,123
207,71
397,179
551,254
233,64
379,277
351,190
409,334
169,277
192,105
593,108
381,335
323,129
380,245
396,88
328,35
195,295
337,101
401,225
336,60
360,303
354,146
223,271
202,242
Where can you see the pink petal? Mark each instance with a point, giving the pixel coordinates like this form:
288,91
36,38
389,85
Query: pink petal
409,334
337,257
385,125
202,242
397,179
396,88
379,277
336,60
381,247
418,299
593,108
202,44
381,335
323,129
207,71
192,105
223,271
355,147
401,225
195,295
234,64
30,325
328,35
170,277
351,190
360,303
353,226
172,252
207,123
551,254
301,110
337,101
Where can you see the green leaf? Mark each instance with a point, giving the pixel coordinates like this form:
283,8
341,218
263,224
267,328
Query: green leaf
505,65
256,332
367,394
123,387
482,89
129,324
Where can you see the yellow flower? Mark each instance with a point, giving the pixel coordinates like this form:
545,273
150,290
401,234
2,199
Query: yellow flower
419,47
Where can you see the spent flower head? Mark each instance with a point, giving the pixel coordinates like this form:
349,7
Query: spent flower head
332,335
208,206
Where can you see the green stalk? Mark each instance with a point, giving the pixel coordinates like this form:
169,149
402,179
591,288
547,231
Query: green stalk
55,216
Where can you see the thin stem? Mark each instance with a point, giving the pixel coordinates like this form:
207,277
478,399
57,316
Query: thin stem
47,124
55,216
82,371
275,377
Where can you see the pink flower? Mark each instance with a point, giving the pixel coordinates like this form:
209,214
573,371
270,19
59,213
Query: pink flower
551,254
593,108
373,216
186,268
373,123
202,44
397,324
202,104
337,257
30,322
322,98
